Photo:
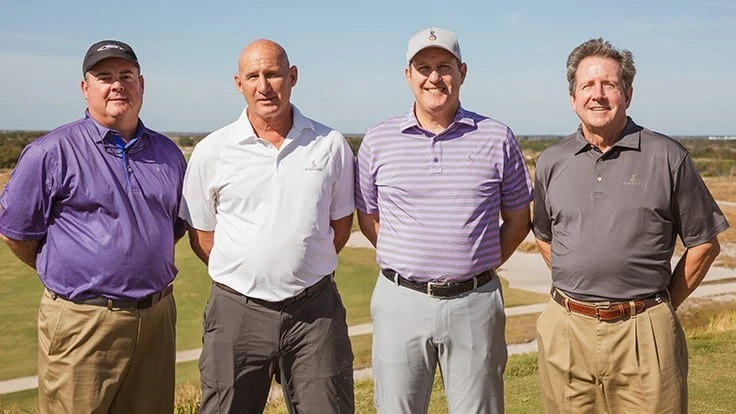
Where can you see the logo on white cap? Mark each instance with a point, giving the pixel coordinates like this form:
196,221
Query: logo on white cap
432,36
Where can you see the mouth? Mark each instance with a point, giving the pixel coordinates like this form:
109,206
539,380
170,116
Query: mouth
435,90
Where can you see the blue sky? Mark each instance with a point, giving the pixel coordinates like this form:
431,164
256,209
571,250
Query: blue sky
350,57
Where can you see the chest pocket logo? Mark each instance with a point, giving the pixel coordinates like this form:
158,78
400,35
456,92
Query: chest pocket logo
315,165
634,182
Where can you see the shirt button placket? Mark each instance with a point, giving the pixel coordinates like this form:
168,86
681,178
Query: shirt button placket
598,174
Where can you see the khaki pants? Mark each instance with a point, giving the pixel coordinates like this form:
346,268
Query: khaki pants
636,365
92,359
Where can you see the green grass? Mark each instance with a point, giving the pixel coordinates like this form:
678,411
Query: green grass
711,354
20,291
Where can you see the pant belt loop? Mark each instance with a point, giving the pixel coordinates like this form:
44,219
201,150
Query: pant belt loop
632,308
475,282
396,278
109,304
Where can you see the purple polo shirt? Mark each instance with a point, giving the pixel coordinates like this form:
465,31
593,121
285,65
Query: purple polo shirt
106,218
439,196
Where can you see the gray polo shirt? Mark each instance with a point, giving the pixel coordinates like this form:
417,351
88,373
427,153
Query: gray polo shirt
612,218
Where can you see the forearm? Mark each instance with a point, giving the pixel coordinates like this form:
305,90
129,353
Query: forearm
369,224
202,243
341,228
515,227
25,250
691,269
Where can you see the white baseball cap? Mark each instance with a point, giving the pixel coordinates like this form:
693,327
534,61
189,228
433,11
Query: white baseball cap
433,37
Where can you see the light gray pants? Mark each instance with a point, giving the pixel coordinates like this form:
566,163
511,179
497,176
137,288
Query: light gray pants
413,332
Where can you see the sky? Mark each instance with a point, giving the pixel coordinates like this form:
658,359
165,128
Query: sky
351,58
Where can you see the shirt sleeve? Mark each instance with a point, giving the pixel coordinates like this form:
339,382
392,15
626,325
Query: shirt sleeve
366,191
516,187
198,201
541,222
698,215
343,203
26,203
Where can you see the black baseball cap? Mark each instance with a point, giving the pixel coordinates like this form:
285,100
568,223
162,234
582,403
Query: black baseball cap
105,49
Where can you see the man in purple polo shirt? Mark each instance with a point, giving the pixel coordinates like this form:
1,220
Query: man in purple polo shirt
92,206
430,185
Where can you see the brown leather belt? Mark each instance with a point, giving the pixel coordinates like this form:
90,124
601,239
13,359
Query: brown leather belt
610,311
310,291
124,303
441,289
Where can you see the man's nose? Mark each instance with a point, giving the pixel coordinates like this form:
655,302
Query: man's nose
434,76
263,84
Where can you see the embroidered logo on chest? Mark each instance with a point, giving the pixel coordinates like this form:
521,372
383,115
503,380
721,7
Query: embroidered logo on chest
634,181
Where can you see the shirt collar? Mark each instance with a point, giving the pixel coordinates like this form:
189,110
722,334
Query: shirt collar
244,130
103,131
630,138
410,123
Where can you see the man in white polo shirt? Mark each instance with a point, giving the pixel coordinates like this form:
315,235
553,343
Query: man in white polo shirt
269,199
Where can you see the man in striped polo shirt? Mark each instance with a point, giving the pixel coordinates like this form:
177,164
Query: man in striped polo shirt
430,185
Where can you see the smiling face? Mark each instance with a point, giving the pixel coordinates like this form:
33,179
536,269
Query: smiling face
599,98
113,89
265,79
435,76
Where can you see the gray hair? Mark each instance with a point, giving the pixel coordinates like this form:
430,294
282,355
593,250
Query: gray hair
602,48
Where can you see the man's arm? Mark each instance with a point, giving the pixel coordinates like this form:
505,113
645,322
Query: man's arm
25,250
369,226
691,270
341,227
515,227
201,242
546,250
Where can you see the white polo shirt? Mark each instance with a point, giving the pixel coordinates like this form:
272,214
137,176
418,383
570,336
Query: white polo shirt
270,208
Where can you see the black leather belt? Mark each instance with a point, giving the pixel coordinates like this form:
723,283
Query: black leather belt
440,289
310,291
144,303
610,311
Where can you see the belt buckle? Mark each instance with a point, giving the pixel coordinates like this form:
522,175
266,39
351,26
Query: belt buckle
602,305
430,285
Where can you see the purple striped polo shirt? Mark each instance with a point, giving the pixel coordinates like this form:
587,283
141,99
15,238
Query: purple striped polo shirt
106,221
439,196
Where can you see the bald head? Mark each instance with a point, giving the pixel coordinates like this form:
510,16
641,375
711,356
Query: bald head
265,79
263,49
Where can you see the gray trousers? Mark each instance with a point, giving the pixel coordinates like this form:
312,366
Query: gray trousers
413,333
305,344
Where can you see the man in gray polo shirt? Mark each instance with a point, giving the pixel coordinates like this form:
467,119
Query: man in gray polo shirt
610,201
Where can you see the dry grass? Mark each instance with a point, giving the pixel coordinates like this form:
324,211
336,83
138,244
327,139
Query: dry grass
528,247
726,261
707,315
722,188
4,176
729,236
10,409
187,398
521,329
